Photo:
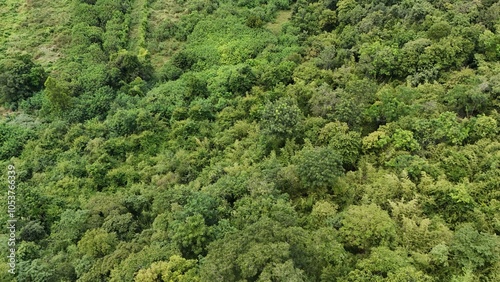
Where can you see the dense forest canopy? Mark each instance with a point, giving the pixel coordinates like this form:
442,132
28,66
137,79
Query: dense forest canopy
251,140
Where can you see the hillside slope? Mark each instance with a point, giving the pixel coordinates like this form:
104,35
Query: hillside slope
197,140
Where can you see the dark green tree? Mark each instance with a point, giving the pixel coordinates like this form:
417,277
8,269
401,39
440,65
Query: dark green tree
474,250
32,231
20,78
318,168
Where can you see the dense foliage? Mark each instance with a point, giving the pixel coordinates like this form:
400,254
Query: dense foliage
224,140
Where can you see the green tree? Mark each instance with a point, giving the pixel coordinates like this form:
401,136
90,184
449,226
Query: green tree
114,38
403,139
241,79
467,100
262,251
122,224
126,66
69,229
453,202
58,93
37,270
191,235
97,243
92,104
32,231
347,143
13,139
409,273
450,129
412,61
378,60
318,168
383,261
366,226
349,11
482,127
439,30
489,42
28,251
107,8
176,269
20,78
474,250
281,118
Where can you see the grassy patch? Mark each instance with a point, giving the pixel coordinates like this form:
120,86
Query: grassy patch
281,19
32,27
